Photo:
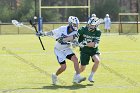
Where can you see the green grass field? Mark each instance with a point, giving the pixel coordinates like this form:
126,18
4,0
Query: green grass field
26,68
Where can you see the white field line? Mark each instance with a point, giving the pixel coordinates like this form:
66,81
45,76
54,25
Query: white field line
125,51
24,54
39,53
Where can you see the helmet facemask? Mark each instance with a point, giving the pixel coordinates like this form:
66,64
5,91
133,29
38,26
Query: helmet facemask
74,27
91,27
92,23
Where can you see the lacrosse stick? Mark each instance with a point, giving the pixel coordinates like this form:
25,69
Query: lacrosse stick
18,24
34,25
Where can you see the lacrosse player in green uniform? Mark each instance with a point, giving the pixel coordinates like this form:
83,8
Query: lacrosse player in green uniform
89,37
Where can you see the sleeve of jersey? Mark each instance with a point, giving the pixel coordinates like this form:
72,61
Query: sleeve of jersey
97,39
57,33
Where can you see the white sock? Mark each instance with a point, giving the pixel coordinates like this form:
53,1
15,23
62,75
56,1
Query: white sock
55,74
77,75
91,75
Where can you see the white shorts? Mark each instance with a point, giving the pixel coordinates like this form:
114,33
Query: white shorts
107,26
62,54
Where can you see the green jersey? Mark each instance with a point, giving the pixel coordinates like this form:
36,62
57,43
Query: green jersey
89,36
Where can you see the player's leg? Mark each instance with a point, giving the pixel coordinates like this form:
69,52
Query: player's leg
105,30
61,59
77,78
82,68
109,29
58,72
62,68
84,60
96,60
74,59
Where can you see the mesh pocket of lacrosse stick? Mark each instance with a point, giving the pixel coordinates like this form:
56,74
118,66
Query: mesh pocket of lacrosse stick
99,21
16,23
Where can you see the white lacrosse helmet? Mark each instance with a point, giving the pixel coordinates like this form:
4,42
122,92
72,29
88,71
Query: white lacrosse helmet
107,15
73,22
93,15
92,23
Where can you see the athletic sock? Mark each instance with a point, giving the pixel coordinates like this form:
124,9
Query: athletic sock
77,75
91,75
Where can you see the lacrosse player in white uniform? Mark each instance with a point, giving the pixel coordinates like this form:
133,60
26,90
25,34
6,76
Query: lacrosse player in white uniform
107,21
62,48
93,15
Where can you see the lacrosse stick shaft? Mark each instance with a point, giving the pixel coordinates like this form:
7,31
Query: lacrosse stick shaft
28,27
39,38
41,43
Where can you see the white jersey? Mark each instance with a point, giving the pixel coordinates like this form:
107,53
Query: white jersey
62,32
107,23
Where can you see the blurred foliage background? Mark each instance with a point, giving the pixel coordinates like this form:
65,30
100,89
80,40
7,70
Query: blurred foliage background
23,10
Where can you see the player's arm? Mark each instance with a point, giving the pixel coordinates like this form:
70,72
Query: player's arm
90,44
95,41
54,33
50,33
70,38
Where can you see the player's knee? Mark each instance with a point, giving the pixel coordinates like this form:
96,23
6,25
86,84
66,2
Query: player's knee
74,59
63,67
97,61
82,68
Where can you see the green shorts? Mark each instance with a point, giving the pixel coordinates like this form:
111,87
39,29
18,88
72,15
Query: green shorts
85,57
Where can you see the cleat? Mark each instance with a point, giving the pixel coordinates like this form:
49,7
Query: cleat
81,79
91,80
54,79
77,80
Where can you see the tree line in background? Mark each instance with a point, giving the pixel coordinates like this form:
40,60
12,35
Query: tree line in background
23,10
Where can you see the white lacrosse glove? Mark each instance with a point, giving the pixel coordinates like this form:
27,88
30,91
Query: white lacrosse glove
60,39
82,44
75,44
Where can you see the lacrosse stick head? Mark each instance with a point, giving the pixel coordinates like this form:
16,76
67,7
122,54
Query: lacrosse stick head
94,22
32,23
16,23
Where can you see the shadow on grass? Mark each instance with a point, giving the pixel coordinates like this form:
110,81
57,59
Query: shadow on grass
72,87
51,87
